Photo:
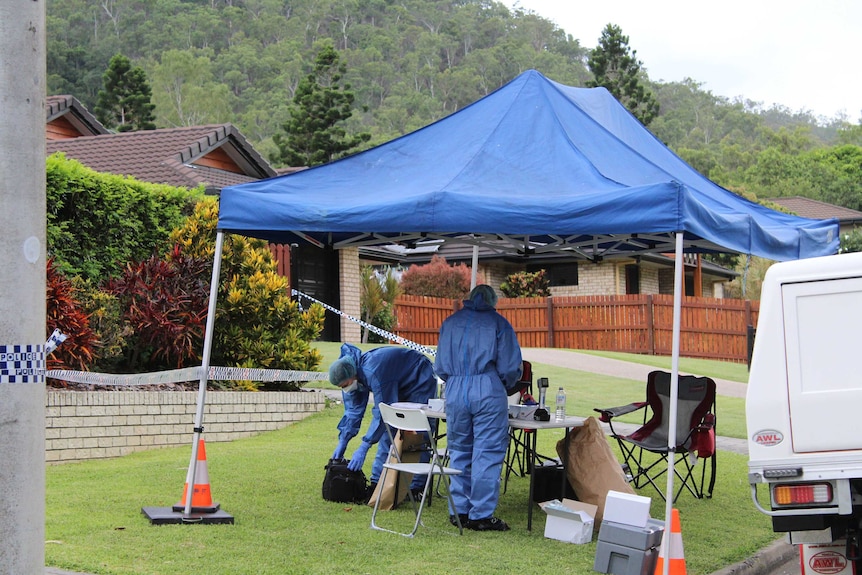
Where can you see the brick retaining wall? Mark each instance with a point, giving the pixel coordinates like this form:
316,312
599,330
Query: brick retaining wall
82,425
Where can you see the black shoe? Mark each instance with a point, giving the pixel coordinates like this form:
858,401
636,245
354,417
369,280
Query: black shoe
462,516
487,524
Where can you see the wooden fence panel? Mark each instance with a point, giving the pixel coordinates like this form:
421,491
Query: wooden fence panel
419,317
710,328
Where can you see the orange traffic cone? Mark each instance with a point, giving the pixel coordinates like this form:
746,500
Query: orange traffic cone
671,548
202,499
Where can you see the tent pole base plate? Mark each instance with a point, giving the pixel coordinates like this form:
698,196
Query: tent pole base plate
167,516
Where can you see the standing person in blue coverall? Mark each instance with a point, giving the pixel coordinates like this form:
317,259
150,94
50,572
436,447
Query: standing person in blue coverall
392,374
479,358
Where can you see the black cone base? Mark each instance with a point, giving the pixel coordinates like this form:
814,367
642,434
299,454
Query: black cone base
167,515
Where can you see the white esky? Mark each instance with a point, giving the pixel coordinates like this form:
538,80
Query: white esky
801,54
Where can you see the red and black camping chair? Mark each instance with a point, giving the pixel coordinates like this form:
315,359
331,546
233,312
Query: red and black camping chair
645,451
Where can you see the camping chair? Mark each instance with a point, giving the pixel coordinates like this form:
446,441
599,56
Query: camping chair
402,420
695,434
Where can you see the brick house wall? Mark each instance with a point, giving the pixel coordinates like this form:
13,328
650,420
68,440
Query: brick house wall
349,273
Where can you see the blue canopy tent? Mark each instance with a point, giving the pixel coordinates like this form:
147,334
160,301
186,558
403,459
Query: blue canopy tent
534,167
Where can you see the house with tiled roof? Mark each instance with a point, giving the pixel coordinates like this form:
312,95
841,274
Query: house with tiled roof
215,155
67,118
807,208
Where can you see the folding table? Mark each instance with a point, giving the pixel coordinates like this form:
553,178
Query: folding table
567,424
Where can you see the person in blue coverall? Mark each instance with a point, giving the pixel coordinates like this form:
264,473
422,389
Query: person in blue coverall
479,358
392,374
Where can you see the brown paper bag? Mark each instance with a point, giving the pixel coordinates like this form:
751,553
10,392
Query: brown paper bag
394,489
592,468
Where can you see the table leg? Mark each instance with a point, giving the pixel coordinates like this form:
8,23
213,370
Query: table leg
532,470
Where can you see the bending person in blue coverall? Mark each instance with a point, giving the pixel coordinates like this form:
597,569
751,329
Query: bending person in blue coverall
478,357
392,374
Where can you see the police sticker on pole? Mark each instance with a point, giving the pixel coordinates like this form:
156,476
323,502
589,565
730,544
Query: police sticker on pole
22,363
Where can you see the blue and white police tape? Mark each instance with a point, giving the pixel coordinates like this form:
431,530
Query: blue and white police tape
381,332
187,374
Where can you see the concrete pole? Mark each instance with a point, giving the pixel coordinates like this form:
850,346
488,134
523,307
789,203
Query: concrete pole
22,287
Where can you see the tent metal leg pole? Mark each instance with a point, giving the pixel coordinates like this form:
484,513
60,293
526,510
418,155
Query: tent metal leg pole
205,368
678,287
474,273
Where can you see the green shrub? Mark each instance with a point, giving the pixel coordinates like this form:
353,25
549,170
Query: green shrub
526,284
99,222
257,324
377,302
106,321
851,241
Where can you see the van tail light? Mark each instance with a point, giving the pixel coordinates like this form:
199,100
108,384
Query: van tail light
801,494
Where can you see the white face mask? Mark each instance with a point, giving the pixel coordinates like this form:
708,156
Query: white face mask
350,388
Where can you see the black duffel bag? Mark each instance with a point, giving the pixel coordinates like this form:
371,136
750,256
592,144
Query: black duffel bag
343,485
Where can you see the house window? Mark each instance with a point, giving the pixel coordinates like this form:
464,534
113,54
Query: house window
558,274
633,279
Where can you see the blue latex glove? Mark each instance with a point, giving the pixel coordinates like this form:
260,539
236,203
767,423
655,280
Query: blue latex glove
340,449
358,457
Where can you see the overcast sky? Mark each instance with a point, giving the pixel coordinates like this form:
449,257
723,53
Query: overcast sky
802,54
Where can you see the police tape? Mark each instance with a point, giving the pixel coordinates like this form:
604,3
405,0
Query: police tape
215,373
381,332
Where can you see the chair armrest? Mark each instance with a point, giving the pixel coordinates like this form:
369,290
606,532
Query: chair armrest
707,423
608,413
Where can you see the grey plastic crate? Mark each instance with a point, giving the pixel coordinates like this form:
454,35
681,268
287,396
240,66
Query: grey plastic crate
630,536
622,560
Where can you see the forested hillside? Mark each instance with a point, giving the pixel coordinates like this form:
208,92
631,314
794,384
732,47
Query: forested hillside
410,62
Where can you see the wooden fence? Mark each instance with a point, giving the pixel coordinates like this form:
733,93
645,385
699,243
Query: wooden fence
710,328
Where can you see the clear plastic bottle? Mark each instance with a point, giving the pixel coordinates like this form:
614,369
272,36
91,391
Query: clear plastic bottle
560,414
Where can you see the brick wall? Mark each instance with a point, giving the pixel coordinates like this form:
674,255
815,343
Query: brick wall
82,425
348,263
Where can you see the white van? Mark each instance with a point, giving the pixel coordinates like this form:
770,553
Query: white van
804,397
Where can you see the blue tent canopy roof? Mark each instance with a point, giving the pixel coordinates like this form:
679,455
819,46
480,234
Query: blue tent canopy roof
537,166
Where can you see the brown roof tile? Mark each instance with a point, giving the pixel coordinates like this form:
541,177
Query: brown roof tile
66,117
808,208
175,156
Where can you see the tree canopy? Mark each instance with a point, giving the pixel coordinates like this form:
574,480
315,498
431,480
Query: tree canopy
124,100
410,63
315,132
616,67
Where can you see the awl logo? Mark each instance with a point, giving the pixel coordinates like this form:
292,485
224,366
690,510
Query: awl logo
768,437
827,562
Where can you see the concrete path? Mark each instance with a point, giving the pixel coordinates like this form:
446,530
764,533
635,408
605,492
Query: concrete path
614,367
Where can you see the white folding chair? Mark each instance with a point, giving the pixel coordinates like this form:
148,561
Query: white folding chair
399,420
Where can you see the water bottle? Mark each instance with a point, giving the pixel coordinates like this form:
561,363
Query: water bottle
560,414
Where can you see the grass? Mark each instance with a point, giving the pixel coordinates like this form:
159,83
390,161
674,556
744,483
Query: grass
271,484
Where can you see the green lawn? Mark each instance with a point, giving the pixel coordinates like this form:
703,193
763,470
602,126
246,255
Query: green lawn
271,484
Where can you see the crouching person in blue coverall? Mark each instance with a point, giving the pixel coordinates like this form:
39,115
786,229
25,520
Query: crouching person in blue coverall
392,374
478,357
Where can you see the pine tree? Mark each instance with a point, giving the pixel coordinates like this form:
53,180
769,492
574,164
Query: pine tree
314,134
617,68
124,101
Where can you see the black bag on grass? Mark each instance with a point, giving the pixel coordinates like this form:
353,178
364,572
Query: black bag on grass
342,485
